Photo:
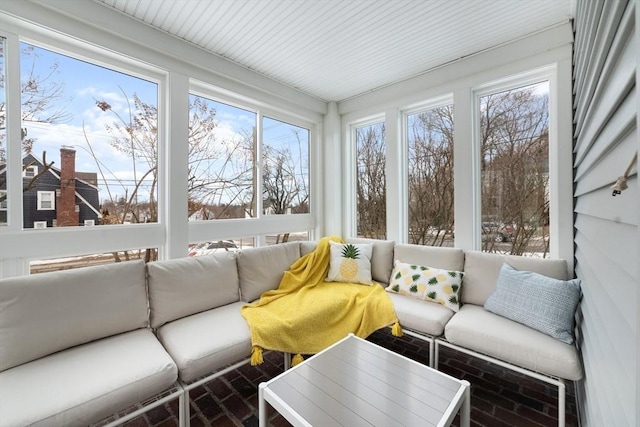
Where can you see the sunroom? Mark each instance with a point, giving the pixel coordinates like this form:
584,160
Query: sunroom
160,130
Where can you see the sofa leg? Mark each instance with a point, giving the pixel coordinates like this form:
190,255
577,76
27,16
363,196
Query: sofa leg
185,417
434,365
561,403
287,361
432,356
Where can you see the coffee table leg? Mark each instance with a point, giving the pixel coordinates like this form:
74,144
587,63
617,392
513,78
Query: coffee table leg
465,411
262,406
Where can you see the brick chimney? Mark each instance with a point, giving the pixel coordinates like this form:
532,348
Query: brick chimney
66,197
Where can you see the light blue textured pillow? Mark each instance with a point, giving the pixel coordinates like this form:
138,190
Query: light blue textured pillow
540,302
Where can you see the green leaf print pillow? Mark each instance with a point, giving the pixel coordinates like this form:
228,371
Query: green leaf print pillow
427,283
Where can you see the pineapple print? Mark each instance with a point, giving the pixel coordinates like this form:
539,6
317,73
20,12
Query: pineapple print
349,265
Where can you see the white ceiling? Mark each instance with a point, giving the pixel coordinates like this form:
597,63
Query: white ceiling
337,49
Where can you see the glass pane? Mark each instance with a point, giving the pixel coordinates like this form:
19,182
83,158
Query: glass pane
285,163
515,171
211,247
430,144
3,138
371,180
73,262
90,135
274,239
221,160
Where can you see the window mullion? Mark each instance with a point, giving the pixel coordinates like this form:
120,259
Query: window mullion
13,132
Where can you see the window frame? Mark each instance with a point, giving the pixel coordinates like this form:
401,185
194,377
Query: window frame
40,198
430,104
230,228
32,168
560,245
350,178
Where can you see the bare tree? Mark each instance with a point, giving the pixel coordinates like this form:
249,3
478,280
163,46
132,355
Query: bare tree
515,152
285,185
371,190
220,168
41,97
430,175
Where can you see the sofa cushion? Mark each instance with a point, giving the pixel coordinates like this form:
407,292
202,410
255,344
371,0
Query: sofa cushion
206,342
353,268
185,286
306,247
444,258
427,283
481,272
421,316
477,329
381,257
44,313
545,304
85,384
260,269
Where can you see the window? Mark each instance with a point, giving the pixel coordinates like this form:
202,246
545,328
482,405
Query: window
285,168
46,200
108,123
222,155
514,160
226,153
371,197
29,171
217,246
80,261
3,200
429,136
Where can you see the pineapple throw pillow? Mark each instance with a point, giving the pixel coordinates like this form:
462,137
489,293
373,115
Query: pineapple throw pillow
350,263
427,283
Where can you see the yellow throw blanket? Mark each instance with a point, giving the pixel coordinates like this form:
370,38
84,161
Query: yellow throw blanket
306,314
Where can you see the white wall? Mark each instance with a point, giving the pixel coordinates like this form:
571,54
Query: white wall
607,233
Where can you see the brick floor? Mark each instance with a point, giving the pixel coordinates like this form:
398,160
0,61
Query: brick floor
498,397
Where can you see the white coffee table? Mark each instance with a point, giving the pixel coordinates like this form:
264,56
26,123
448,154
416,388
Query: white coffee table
357,383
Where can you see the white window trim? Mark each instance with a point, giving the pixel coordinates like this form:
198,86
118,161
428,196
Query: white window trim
33,169
41,195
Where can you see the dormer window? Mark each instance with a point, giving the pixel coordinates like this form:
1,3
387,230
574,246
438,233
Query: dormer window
30,171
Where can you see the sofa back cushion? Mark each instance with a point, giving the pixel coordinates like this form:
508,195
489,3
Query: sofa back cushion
430,256
481,272
185,286
260,269
306,247
49,312
381,257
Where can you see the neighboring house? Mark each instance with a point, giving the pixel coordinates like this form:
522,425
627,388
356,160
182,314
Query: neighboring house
58,197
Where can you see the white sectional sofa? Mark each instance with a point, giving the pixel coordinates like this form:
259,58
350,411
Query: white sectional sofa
75,347
91,342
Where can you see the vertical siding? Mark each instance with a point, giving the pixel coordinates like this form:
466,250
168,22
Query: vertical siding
606,228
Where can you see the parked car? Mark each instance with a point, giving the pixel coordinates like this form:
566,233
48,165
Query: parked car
497,232
208,248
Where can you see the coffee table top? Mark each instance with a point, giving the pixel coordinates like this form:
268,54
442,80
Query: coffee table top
358,383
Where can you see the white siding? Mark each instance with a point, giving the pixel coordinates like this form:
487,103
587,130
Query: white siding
606,228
